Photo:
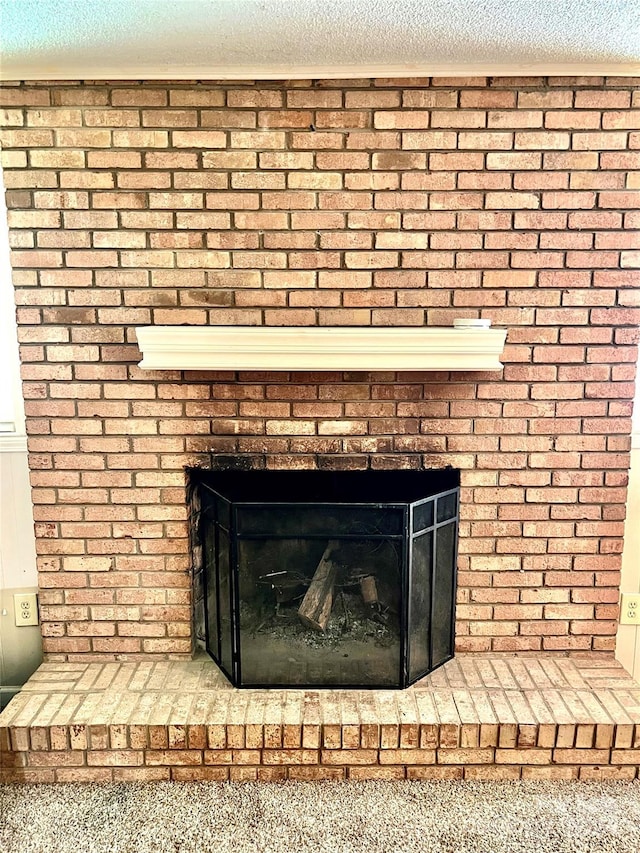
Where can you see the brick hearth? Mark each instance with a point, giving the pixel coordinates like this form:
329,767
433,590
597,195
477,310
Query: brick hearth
477,717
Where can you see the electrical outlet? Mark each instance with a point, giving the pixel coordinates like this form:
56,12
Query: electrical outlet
630,608
25,605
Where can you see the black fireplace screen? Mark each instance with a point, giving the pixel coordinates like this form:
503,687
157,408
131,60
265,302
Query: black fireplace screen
323,579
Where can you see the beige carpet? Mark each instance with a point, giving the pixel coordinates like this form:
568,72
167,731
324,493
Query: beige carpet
337,817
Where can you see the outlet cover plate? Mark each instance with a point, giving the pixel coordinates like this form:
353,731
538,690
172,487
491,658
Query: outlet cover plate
25,605
630,608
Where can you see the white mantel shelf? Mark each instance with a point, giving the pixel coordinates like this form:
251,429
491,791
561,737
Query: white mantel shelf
319,348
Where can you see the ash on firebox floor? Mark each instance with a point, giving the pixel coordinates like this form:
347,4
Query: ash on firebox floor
349,621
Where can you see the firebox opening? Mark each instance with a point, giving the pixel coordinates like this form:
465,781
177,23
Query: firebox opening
327,579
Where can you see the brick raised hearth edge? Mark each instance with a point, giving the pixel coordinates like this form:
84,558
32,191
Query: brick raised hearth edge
478,717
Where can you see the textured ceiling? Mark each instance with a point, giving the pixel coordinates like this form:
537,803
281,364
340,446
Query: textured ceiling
119,39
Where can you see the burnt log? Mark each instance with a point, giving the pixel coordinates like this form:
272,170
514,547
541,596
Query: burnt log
315,609
369,591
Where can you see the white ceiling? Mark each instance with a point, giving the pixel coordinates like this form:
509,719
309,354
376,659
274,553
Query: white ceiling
235,39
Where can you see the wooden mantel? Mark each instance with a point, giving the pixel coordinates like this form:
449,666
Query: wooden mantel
319,348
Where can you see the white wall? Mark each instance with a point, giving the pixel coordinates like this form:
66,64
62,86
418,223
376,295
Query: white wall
20,648
628,641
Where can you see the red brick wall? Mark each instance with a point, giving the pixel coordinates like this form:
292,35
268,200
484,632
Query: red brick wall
360,202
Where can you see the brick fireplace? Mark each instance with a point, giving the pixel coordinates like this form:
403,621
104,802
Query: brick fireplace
334,203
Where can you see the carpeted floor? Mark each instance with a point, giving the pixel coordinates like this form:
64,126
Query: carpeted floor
376,817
